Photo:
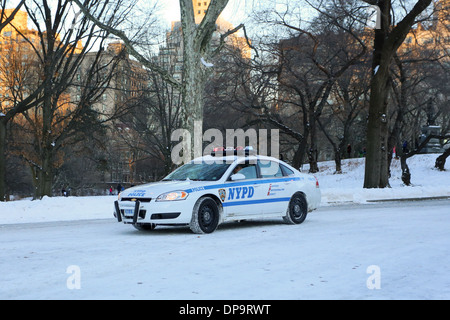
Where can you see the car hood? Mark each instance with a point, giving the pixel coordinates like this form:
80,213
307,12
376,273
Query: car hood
153,190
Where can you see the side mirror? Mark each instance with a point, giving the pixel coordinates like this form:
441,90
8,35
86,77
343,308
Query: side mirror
237,176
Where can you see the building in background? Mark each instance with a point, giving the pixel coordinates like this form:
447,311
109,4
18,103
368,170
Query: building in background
171,55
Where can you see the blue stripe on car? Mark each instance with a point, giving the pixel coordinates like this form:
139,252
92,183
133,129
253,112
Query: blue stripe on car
241,203
242,183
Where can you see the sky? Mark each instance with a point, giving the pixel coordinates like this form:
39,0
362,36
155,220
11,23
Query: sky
234,12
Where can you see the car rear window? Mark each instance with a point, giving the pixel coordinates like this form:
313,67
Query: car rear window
269,169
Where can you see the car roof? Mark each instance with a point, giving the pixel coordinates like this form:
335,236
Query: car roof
233,158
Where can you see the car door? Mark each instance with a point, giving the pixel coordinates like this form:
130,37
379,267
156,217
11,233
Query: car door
276,187
243,196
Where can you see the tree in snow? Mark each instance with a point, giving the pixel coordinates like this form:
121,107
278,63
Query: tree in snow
7,114
56,117
304,67
388,38
440,161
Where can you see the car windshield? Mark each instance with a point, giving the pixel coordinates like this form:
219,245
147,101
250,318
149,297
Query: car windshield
199,171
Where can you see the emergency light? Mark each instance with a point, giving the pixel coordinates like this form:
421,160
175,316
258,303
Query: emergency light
230,151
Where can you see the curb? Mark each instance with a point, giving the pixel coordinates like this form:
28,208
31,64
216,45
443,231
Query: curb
411,199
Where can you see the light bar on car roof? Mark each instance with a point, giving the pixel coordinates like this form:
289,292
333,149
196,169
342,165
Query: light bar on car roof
229,151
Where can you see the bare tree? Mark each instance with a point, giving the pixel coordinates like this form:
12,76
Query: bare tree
340,124
440,161
309,63
15,106
56,118
197,46
5,18
150,125
388,38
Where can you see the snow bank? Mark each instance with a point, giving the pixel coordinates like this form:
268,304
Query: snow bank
347,187
56,209
336,189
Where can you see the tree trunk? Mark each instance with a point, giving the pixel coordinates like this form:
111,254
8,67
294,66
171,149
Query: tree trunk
406,174
313,153
376,174
45,175
337,161
196,45
299,155
3,121
440,161
44,179
386,43
2,159
192,97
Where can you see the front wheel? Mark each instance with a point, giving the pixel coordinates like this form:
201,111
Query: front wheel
297,209
205,216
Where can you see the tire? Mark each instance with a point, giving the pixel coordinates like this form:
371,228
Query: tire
144,227
205,216
297,209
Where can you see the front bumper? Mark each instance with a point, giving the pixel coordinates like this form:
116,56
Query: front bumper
152,212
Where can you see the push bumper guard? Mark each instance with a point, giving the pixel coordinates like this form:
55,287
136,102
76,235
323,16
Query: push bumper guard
137,207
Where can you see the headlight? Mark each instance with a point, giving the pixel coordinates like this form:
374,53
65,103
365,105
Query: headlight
173,196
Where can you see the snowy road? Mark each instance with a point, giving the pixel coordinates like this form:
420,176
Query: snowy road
395,250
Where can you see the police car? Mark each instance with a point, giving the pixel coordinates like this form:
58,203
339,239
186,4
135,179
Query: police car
221,187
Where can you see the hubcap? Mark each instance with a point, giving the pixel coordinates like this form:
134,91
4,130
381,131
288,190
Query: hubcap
297,209
206,216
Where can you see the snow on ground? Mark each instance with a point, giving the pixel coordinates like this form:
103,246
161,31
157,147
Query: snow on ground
381,251
345,250
347,187
336,189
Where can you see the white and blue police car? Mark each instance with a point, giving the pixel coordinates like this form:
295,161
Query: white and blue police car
221,187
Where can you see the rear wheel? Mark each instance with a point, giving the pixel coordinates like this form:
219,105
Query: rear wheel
205,216
297,209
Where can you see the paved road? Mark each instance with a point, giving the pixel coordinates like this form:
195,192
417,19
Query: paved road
329,256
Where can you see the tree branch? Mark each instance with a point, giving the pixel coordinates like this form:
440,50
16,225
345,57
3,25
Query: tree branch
128,44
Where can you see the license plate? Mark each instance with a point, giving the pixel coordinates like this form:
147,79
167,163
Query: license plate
128,212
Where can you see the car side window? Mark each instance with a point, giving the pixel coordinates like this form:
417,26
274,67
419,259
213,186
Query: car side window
248,170
269,169
286,171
